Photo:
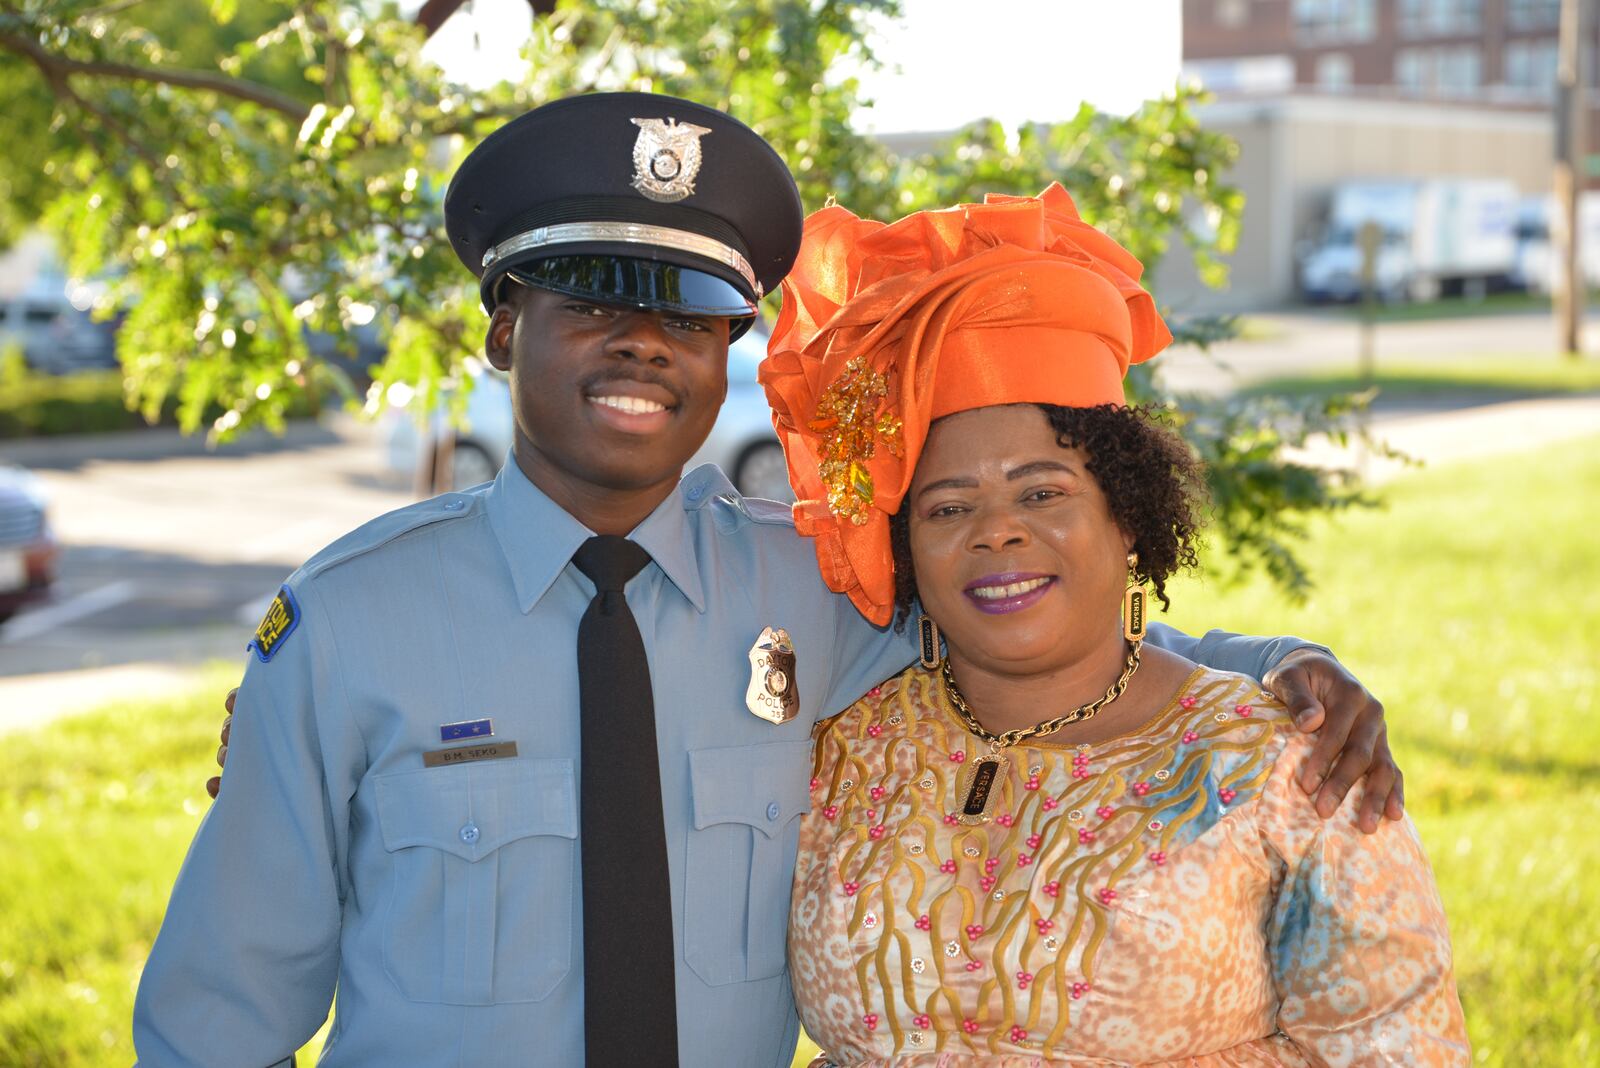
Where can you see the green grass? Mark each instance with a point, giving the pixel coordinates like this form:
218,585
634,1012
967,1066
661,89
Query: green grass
1449,308
1471,605
1489,379
96,813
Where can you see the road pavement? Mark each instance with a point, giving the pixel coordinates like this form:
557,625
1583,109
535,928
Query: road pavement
171,553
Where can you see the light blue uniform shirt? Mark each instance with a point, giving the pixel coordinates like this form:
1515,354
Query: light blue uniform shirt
444,903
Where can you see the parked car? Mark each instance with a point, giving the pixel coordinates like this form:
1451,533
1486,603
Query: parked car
53,333
28,549
1536,267
742,442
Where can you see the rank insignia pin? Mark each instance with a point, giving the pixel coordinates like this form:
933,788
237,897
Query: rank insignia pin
466,729
774,692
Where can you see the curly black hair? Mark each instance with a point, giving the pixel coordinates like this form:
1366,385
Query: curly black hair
1154,485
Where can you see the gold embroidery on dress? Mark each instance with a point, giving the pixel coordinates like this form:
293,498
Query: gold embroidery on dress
1046,886
851,427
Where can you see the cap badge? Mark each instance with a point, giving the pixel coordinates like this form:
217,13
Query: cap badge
774,692
666,158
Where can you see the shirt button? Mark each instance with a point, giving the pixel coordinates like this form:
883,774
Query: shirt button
454,506
772,811
469,833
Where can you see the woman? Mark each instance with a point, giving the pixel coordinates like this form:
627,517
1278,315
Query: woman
1050,845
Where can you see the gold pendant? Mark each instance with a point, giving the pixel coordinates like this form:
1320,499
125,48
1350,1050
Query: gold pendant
979,788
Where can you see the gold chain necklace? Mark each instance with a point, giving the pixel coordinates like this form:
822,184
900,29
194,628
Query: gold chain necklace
979,777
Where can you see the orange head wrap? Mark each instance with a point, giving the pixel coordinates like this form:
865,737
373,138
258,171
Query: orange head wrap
885,328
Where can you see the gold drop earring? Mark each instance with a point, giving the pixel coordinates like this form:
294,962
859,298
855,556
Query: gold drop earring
1133,606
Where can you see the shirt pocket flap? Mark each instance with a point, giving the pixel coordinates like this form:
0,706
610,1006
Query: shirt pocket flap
762,786
471,810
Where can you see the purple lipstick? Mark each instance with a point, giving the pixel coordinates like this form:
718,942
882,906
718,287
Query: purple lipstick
1011,591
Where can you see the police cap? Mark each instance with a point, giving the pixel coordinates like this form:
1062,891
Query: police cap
631,198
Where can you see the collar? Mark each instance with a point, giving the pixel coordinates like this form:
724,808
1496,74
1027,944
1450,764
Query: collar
539,537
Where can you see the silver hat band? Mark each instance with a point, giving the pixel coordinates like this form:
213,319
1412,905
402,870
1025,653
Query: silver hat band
626,233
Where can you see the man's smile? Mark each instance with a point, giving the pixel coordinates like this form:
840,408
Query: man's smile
632,406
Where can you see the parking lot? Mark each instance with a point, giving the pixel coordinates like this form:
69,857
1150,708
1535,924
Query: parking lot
170,552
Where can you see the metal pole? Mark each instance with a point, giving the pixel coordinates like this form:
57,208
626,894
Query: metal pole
1569,175
1370,240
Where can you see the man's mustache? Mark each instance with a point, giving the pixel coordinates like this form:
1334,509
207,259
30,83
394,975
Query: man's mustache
645,375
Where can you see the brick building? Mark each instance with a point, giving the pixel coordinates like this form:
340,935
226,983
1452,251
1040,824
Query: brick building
1494,53
1324,92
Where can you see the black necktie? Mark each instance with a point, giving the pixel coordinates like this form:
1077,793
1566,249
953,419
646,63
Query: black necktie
630,1008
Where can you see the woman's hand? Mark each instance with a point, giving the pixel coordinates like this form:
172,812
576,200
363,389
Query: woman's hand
214,783
1352,739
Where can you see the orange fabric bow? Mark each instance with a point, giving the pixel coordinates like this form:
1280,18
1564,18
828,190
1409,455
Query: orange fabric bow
887,327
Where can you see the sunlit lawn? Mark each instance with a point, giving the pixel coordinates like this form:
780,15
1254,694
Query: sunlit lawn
1471,605
1447,308
1489,378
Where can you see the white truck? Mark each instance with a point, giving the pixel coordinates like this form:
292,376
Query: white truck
1535,268
1437,234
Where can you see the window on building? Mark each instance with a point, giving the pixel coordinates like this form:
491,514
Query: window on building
1232,13
1452,71
1248,74
1440,18
1533,14
1335,72
1531,66
1460,71
1334,20
1408,75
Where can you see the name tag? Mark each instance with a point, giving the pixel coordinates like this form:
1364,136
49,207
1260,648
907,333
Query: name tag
466,754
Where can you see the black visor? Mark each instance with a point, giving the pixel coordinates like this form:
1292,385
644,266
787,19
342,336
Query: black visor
641,284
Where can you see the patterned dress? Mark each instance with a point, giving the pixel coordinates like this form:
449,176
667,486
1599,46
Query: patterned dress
1169,896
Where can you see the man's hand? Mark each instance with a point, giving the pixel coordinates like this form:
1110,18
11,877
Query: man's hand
214,783
1352,739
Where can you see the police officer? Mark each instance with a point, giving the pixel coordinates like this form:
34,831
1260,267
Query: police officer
497,851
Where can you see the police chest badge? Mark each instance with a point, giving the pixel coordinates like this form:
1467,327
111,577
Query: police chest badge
666,157
774,692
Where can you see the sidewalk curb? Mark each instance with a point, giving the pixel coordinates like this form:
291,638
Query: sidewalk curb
66,451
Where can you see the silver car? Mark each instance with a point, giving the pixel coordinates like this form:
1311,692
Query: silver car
742,442
28,550
46,316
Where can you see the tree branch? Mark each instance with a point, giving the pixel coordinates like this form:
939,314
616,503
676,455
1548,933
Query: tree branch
237,88
106,9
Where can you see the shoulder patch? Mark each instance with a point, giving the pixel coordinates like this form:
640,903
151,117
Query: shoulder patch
283,615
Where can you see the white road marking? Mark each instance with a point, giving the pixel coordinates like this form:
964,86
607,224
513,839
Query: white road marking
32,624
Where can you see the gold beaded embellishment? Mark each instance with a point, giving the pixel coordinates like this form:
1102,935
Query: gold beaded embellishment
850,428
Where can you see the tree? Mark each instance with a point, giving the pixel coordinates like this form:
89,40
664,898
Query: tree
276,170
